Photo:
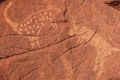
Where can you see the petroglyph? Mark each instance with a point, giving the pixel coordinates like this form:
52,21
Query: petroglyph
34,24
67,68
104,49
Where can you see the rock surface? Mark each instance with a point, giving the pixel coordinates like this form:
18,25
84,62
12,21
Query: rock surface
59,40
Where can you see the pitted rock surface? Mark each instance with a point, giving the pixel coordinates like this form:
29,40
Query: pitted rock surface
59,40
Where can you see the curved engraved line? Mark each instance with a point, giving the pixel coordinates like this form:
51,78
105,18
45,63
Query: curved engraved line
10,22
15,25
67,68
49,8
30,16
104,49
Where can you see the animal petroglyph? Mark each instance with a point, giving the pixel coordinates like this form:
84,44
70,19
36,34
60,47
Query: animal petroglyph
67,68
35,24
103,48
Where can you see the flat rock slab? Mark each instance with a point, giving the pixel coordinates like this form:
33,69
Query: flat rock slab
59,40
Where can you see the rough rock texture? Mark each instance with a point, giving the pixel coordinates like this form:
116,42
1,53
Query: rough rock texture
59,40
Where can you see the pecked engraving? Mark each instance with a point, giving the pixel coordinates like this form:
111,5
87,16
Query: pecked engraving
34,24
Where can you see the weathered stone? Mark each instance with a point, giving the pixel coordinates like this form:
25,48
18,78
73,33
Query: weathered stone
59,40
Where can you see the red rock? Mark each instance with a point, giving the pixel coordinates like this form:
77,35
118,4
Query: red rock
59,40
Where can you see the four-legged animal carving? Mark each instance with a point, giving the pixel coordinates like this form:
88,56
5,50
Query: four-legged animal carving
34,25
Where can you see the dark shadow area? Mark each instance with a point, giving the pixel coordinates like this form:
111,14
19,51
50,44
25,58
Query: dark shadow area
1,1
113,3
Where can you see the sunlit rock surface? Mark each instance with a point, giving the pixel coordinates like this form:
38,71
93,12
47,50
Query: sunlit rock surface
59,40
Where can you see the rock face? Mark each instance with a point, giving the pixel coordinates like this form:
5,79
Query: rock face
59,40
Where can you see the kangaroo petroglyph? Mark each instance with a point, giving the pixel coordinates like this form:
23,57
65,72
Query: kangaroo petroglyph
104,49
34,24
